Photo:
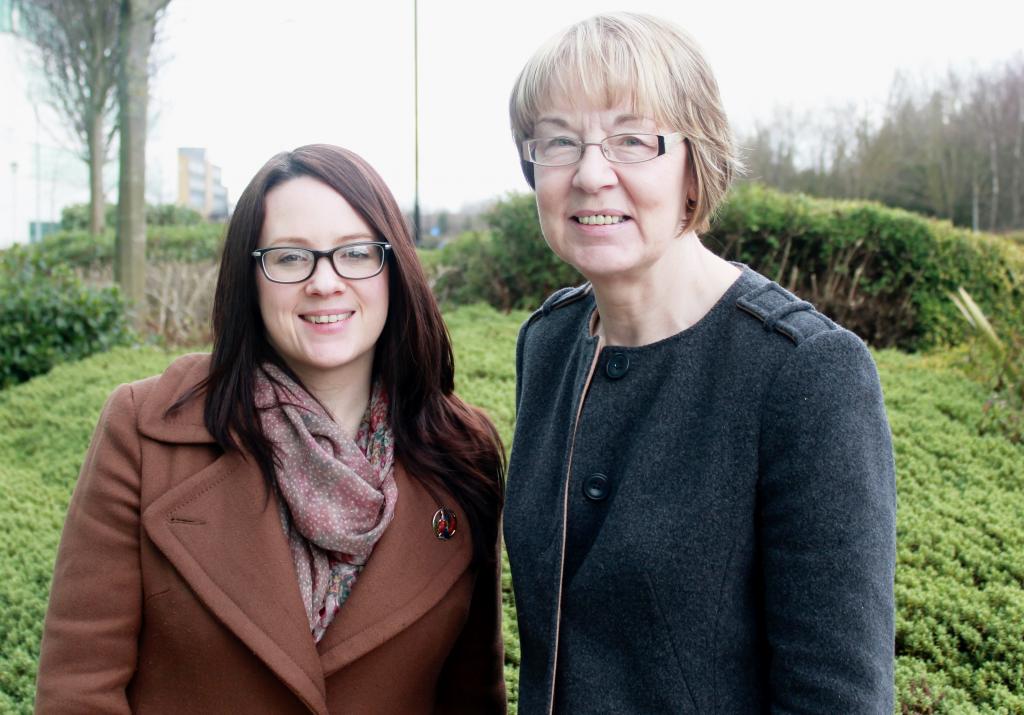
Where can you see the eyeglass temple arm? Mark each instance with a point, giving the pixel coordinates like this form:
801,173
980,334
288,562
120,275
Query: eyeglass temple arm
668,140
664,142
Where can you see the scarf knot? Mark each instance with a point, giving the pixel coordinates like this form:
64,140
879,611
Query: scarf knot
337,494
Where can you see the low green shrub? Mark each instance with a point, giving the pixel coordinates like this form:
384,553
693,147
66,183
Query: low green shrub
429,258
960,545
485,346
465,271
45,425
1001,365
76,216
76,248
1015,236
48,315
201,242
510,266
53,417
172,215
80,249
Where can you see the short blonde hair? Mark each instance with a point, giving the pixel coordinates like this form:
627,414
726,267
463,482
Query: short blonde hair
654,66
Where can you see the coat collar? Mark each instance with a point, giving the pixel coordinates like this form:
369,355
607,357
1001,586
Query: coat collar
185,425
220,529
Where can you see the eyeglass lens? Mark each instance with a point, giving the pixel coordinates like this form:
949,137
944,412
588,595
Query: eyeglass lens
623,148
291,265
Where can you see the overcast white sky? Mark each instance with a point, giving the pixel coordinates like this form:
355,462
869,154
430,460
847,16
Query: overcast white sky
248,78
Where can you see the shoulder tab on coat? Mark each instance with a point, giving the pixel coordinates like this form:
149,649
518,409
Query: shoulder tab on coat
565,296
783,312
561,297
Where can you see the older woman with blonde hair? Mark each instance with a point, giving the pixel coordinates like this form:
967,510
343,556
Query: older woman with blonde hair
701,503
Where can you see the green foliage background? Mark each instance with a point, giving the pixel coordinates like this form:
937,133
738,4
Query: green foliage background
77,248
884,273
960,572
508,267
48,315
76,216
56,301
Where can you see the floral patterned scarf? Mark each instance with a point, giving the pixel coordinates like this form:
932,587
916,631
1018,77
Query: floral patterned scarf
337,494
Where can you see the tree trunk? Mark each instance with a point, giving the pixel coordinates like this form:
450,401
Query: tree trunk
1018,160
96,154
993,155
138,20
975,220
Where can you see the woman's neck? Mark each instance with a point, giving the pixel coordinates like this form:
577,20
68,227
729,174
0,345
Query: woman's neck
345,399
669,297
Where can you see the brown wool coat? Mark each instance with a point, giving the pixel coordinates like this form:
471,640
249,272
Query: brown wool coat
174,590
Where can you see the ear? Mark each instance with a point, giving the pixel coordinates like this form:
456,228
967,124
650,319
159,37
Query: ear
691,179
691,206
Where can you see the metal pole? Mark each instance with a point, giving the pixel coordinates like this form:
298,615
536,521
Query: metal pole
14,202
416,118
38,233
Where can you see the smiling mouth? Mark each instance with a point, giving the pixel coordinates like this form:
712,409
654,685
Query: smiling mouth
332,318
600,220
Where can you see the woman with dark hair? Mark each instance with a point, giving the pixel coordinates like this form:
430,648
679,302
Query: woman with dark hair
305,520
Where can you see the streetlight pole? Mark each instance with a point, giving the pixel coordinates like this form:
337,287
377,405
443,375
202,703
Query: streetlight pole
14,202
416,118
37,228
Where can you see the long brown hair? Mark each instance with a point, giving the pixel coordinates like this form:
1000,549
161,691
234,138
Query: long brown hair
439,439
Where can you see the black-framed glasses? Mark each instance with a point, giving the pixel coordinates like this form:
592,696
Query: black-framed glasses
354,261
619,148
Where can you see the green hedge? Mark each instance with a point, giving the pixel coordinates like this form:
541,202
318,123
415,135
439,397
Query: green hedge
80,249
509,266
76,216
884,273
48,315
960,562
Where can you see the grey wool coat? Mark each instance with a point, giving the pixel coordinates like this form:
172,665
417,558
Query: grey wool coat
713,529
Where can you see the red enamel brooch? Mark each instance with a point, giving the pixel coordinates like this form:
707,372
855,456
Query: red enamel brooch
444,523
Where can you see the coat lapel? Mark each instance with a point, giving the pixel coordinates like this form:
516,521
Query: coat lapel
409,572
220,529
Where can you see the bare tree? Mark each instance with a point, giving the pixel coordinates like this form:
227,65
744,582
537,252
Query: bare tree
138,22
76,44
952,148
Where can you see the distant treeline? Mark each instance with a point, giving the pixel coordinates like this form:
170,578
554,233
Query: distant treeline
952,148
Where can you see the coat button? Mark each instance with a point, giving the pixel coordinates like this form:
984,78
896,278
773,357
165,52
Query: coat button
617,365
596,487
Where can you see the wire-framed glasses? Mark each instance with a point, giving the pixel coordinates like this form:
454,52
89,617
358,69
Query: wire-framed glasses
354,261
619,148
